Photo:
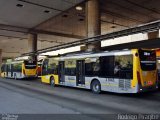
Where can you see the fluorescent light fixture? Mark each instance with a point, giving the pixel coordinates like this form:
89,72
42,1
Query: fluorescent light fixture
22,58
79,8
62,51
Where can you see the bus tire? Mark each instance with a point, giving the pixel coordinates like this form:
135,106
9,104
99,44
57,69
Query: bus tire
52,81
96,86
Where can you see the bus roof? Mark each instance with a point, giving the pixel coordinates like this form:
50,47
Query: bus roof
98,54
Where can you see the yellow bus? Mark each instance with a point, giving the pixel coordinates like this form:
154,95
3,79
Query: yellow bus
50,71
125,71
20,69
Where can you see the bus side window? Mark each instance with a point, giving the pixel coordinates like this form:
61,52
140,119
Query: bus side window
89,69
45,67
56,70
70,67
117,68
53,68
123,67
107,66
17,67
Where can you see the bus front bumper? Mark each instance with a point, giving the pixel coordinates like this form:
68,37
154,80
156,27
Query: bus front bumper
149,88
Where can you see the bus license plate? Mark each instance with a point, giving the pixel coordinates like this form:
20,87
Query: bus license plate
150,83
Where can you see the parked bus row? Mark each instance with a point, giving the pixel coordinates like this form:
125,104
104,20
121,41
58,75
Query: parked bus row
125,71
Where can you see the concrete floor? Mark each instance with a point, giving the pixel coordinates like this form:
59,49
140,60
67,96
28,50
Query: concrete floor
33,97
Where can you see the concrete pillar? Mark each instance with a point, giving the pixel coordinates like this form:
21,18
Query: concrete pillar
93,23
152,35
0,60
32,44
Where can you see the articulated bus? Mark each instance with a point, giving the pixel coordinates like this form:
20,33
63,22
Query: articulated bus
19,69
125,71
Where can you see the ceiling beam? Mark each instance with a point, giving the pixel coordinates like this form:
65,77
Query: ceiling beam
27,30
13,28
143,7
114,14
57,34
39,5
114,23
132,10
8,36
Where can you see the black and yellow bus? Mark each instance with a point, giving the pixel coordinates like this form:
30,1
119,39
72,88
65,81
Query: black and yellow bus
20,69
125,71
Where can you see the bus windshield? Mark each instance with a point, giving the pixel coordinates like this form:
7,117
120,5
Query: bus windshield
30,64
147,59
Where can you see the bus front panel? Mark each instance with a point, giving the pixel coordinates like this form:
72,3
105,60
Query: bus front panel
147,73
30,68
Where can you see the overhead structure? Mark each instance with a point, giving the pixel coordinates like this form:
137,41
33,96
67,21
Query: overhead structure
32,44
63,21
36,31
154,26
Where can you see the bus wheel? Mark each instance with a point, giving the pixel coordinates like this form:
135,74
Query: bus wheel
96,87
52,81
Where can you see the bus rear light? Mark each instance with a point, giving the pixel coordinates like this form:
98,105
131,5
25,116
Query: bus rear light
150,82
139,78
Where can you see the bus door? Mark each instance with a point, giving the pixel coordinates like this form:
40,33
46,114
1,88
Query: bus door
80,72
45,67
61,71
11,69
8,70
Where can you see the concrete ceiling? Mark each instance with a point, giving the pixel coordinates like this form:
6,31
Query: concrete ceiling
32,12
63,18
29,14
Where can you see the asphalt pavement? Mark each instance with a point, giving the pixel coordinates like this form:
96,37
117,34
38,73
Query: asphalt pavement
33,97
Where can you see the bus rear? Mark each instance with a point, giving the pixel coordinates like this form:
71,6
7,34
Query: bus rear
30,68
147,70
